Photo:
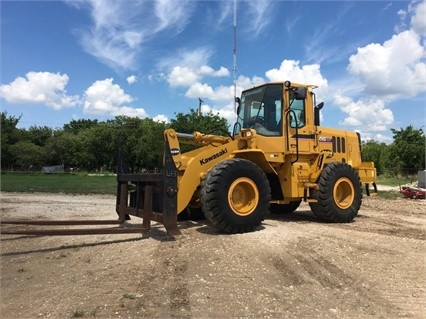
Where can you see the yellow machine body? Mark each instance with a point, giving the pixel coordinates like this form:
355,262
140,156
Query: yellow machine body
293,160
277,156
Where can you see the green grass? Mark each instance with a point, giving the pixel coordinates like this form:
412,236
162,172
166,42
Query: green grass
395,181
389,194
85,184
58,183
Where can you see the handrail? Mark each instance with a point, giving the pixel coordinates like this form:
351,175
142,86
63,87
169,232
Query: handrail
297,133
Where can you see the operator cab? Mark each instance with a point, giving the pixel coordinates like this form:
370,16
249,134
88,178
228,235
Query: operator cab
261,109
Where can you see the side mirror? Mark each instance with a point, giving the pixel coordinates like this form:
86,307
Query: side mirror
238,101
317,113
319,106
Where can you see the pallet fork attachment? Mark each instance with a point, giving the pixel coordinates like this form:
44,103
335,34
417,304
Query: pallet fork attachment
150,196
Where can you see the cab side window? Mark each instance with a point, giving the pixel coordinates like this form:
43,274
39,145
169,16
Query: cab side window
297,113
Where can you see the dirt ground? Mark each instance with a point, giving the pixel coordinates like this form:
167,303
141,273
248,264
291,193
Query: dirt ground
294,266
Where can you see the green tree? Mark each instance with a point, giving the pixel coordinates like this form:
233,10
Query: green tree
194,121
205,123
65,148
124,139
149,145
376,152
76,126
407,151
27,155
140,142
100,145
9,136
40,135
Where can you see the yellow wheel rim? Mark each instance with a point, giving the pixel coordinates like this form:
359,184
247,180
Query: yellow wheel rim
243,196
343,193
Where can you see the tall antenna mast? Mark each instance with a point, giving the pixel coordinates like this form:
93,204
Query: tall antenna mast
235,55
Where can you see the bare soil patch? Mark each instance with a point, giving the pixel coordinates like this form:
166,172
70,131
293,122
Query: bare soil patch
294,266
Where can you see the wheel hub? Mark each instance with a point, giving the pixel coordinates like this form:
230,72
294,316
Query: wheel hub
343,193
243,196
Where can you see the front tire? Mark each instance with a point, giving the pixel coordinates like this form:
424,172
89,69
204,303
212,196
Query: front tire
339,194
235,196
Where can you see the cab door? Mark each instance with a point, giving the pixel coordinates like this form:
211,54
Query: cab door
300,137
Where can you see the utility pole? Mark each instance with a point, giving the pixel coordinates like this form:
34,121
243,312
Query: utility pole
200,101
234,69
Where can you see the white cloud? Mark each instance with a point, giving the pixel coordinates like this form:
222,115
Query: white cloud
244,82
380,73
385,72
104,97
418,19
260,12
189,68
221,72
114,38
132,79
119,28
226,112
182,76
223,93
40,88
368,115
172,14
392,70
402,25
186,76
224,13
161,118
129,111
194,58
307,74
205,91
368,136
200,90
206,70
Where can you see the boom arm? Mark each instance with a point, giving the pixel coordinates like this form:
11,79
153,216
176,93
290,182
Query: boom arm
193,165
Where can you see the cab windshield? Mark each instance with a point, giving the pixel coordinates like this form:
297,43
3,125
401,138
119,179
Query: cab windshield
261,109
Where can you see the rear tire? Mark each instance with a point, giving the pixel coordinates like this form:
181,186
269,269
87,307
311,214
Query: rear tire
284,208
339,194
235,196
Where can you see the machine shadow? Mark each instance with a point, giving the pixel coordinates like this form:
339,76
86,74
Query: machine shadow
302,216
157,232
67,247
299,216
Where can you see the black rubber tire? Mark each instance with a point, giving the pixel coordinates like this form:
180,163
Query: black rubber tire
228,178
284,208
339,195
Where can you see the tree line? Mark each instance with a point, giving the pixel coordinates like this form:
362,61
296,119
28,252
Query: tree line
404,156
91,145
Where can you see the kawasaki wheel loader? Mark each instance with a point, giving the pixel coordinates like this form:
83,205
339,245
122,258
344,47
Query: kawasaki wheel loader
277,156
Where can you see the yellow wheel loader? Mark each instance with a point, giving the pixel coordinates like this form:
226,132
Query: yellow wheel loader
277,156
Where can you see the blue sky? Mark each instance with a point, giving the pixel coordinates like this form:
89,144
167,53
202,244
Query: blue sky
95,59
